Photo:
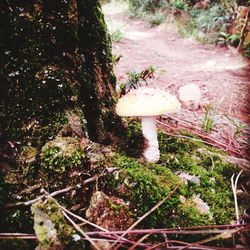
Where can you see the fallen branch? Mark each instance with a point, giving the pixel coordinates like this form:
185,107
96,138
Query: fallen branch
223,235
58,192
8,236
169,231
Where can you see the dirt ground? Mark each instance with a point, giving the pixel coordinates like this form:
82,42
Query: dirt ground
221,73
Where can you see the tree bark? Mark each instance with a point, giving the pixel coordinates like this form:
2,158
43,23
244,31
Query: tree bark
55,57
98,83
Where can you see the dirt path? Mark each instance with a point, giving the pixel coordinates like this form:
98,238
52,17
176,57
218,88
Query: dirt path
223,76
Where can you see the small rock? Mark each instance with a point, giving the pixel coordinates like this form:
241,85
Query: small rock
190,96
200,205
187,177
183,200
111,213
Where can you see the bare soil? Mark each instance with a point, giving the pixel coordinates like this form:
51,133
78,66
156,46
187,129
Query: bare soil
221,73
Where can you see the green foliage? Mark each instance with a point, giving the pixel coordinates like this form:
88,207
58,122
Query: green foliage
61,154
203,161
207,25
178,4
148,6
155,19
208,120
150,10
145,185
141,185
184,211
231,39
117,36
137,79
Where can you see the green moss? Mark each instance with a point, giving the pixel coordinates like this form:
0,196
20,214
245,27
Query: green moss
61,154
207,163
115,207
50,225
144,184
133,142
187,215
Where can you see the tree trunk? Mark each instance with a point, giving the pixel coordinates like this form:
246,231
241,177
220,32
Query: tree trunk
98,80
55,57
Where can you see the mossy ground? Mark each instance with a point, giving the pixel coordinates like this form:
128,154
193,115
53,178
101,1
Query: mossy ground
140,184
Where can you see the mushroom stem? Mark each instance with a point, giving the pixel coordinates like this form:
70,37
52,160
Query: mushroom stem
149,131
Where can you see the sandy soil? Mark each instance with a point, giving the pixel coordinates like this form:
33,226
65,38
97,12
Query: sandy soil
222,74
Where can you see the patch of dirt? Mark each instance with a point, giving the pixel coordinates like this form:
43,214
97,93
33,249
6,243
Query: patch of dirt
221,73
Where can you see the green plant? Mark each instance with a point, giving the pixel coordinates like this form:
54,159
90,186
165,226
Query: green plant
115,58
147,6
208,120
60,154
51,227
225,38
247,50
239,127
211,19
178,4
155,19
117,36
137,79
209,25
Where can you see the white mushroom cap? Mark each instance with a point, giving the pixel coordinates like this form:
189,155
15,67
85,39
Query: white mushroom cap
147,101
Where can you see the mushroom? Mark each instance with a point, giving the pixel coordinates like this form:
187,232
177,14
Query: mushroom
148,103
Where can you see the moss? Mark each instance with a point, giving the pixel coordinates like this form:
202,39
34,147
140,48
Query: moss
143,184
207,163
28,155
140,184
133,143
61,154
37,84
187,215
50,226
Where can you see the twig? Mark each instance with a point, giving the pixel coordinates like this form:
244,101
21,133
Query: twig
55,193
165,231
234,188
210,239
64,210
139,241
6,236
146,214
83,220
86,221
81,231
205,138
25,203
